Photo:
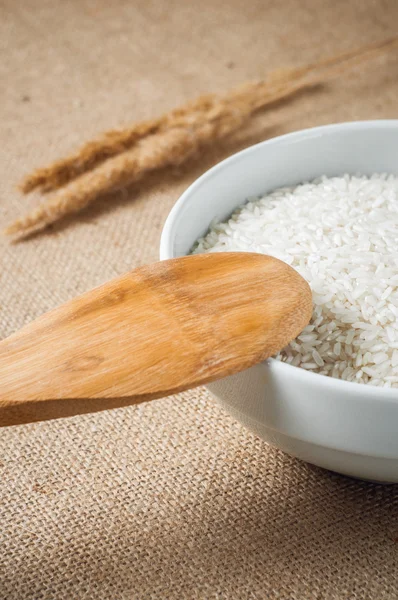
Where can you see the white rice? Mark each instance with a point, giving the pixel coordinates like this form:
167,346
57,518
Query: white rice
341,235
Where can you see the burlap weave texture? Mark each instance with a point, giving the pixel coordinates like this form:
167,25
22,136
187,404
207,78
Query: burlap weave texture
173,499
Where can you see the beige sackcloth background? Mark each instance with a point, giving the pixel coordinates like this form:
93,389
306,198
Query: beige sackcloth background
172,499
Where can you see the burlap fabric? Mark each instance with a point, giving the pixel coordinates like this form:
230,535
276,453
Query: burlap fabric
172,499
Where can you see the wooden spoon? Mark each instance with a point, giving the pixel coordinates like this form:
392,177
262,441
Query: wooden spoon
158,330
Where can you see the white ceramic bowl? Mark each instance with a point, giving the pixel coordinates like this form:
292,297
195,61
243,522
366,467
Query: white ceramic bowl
342,426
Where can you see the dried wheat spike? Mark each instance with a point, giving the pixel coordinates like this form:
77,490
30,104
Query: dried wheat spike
114,142
171,147
173,138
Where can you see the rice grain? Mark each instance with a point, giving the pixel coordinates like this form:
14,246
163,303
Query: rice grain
341,235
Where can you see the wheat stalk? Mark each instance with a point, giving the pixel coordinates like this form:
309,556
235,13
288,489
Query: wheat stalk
120,158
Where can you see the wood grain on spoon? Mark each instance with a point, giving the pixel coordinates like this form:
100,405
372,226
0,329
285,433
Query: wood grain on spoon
155,331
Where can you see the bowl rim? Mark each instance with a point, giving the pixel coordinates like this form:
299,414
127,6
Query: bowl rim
366,391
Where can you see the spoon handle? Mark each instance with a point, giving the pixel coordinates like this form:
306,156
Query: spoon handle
108,348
